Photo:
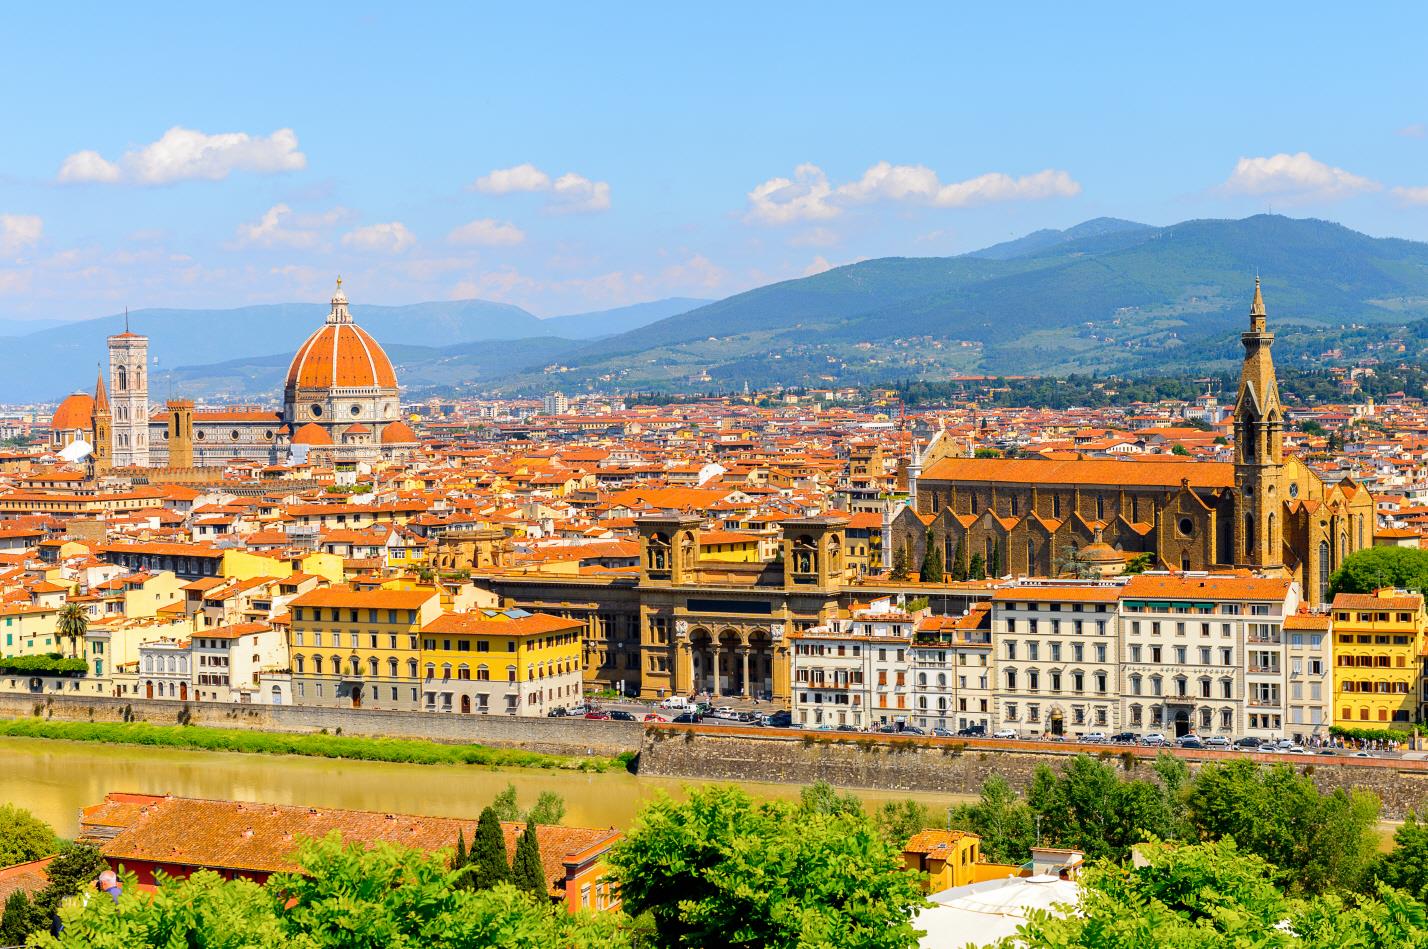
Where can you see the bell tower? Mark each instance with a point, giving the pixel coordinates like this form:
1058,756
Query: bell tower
1259,450
103,458
129,388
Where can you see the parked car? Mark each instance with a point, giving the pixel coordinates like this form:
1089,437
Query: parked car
558,712
783,718
1249,743
1004,733
1217,741
687,718
1294,750
723,711
579,710
944,733
1189,741
620,715
912,730
972,731
654,717
598,716
847,728
675,702
1153,738
1124,738
1094,738
745,718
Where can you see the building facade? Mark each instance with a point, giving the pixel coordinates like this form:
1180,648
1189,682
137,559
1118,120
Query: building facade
1378,649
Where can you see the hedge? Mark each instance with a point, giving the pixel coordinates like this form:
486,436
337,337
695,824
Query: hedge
42,665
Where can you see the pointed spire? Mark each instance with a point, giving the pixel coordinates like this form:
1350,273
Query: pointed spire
101,397
1257,307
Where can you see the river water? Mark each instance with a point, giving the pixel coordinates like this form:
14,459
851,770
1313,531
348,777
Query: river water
54,779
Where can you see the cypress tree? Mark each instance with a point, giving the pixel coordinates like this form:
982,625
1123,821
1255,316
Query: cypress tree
527,871
459,861
487,857
931,571
899,564
977,570
20,919
959,563
994,569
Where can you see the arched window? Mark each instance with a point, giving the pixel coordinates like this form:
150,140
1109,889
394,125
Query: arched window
1324,571
941,679
1249,536
483,674
463,671
412,668
392,668
510,673
297,664
446,670
922,679
430,670
372,665
317,665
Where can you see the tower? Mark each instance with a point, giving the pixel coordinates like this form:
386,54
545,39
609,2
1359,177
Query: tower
180,432
1259,450
129,388
103,457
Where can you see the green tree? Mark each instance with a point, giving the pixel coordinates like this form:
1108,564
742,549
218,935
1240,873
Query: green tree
505,805
931,571
722,869
549,809
901,568
977,569
1405,867
487,858
1089,807
959,563
1364,571
20,919
1318,841
994,566
820,797
986,453
1180,449
73,870
1005,823
527,871
1140,563
459,859
72,624
24,837
899,820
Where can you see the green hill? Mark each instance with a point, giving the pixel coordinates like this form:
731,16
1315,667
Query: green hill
1105,295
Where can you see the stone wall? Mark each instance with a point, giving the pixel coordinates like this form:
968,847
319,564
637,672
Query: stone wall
568,736
939,767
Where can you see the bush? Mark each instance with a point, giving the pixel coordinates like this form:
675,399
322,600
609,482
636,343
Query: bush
51,665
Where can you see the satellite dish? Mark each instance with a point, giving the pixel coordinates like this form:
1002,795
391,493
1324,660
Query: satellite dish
709,472
77,450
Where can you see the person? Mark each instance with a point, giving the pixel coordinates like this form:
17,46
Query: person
109,883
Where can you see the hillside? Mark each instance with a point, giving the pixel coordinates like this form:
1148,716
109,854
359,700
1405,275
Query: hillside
59,359
1105,295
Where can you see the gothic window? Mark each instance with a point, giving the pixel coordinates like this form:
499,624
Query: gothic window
123,379
1100,508
1030,557
1015,506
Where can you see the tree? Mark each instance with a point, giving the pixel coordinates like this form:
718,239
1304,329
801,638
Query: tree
1140,563
487,858
901,569
820,797
24,837
348,897
73,870
899,820
1364,571
977,569
986,453
722,869
20,919
1405,867
1318,841
1003,821
72,624
460,859
1089,807
527,870
1180,449
994,566
931,571
549,809
959,563
505,805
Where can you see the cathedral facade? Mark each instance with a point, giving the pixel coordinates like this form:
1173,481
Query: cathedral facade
340,403
1264,511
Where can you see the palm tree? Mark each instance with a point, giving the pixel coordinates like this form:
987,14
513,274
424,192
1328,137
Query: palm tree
73,623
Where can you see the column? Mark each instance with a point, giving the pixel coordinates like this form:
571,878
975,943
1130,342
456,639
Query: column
744,652
718,655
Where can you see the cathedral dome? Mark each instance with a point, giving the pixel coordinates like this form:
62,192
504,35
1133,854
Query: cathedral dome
75,412
312,434
341,355
396,433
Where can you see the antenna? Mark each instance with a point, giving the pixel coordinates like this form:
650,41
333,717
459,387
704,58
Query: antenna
126,319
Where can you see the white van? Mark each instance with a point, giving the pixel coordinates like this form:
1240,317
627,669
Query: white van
677,703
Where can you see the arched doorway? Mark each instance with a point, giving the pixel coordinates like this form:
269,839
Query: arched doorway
183,691
277,696
1182,722
730,671
357,696
761,678
1057,722
148,690
701,659
465,705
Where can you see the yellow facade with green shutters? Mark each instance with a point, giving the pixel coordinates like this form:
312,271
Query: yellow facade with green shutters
501,662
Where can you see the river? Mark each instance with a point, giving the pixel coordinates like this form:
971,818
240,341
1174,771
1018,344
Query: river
54,779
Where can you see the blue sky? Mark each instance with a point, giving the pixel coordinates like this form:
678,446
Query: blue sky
573,157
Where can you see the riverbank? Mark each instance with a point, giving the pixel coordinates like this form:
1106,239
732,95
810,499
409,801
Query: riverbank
242,741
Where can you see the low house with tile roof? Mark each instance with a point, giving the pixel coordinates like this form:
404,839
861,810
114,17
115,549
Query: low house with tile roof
178,836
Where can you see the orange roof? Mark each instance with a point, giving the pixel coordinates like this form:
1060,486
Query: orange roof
1130,473
1372,601
339,356
76,411
480,624
345,596
1054,594
397,432
1213,586
312,434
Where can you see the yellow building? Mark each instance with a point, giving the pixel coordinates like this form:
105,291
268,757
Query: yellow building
358,648
947,857
28,629
506,662
1378,639
243,565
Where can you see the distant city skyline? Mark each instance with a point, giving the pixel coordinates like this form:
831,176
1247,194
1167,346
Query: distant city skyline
584,159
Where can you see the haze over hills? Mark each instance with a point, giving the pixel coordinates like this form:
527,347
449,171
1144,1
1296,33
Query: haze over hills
56,360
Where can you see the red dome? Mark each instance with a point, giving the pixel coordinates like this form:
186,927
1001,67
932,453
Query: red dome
341,356
312,434
76,411
397,433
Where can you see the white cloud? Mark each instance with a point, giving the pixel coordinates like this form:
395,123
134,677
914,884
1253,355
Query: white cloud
1418,195
697,271
809,196
19,230
1416,130
575,193
487,232
815,237
185,154
14,281
273,230
525,177
568,193
390,238
1299,175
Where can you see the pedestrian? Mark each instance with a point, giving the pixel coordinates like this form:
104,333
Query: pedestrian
108,882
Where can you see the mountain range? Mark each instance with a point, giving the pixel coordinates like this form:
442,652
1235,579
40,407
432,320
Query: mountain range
1106,295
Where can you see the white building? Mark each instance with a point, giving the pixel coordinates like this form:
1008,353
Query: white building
228,659
165,669
1308,648
1055,646
854,671
952,671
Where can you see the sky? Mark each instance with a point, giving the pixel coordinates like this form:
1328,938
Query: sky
573,157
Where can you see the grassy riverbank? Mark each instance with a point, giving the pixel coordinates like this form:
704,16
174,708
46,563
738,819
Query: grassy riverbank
399,750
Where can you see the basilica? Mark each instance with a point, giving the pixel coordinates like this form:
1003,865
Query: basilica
1265,511
340,403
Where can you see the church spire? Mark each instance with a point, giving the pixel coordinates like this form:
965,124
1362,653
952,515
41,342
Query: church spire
101,395
1257,314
